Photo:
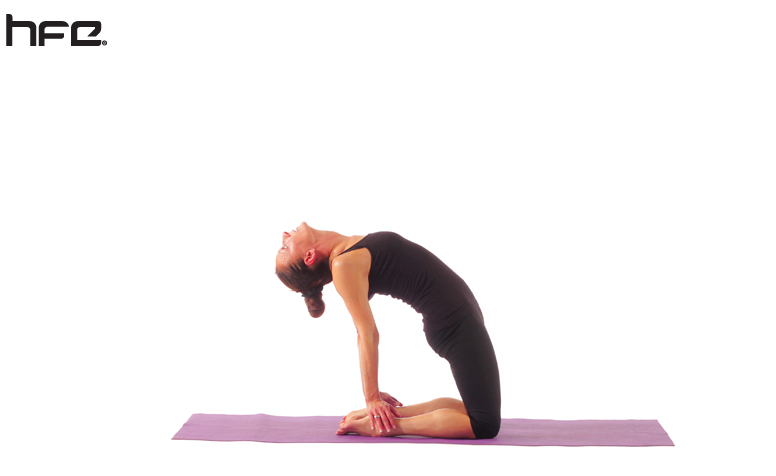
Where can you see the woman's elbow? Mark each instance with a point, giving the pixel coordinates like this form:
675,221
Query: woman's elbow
368,335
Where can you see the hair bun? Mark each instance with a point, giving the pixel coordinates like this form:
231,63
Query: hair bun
314,302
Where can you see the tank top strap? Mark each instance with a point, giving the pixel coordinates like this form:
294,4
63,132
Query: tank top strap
358,245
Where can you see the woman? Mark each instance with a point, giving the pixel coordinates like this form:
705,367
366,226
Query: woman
385,263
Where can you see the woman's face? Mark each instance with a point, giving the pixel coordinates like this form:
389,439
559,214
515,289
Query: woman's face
295,245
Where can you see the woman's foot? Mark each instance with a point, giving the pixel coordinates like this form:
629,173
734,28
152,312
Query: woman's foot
361,426
356,415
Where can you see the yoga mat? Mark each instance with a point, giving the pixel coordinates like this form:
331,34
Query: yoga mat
514,431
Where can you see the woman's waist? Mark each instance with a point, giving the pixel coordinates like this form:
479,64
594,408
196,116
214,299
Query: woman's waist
438,320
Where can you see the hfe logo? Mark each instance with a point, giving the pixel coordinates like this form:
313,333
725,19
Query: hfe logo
43,35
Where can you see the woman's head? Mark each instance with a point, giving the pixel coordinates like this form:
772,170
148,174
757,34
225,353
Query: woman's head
302,268
308,280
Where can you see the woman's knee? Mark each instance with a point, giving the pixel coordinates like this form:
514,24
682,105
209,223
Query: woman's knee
486,427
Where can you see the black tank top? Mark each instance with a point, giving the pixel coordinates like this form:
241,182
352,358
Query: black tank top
408,272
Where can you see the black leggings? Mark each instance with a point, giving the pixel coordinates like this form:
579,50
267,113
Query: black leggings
467,346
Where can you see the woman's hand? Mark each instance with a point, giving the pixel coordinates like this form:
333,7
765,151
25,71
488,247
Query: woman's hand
390,400
381,414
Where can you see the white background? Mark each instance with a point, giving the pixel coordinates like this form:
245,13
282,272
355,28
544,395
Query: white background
600,173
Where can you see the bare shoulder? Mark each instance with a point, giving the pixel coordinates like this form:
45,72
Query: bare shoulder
350,274
353,262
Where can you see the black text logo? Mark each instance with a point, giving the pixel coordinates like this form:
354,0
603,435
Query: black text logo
43,35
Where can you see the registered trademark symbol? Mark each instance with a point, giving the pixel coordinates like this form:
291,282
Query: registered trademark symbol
104,42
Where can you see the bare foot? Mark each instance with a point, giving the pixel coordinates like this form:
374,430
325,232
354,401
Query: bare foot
361,426
356,414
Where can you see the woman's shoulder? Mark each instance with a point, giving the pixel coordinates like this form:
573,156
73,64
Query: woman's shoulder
351,259
350,273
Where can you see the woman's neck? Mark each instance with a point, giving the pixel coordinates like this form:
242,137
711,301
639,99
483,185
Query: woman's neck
331,243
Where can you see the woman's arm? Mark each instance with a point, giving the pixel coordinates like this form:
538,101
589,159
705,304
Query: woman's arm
368,340
351,279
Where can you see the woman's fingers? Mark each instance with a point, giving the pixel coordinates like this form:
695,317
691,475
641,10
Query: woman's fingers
392,400
376,420
386,418
383,421
380,420
390,424
381,417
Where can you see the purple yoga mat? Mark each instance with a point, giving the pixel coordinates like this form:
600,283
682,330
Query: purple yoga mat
514,431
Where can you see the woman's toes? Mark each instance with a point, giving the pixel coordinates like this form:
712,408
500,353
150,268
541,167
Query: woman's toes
344,428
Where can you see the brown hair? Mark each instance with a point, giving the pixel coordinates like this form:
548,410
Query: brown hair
308,280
